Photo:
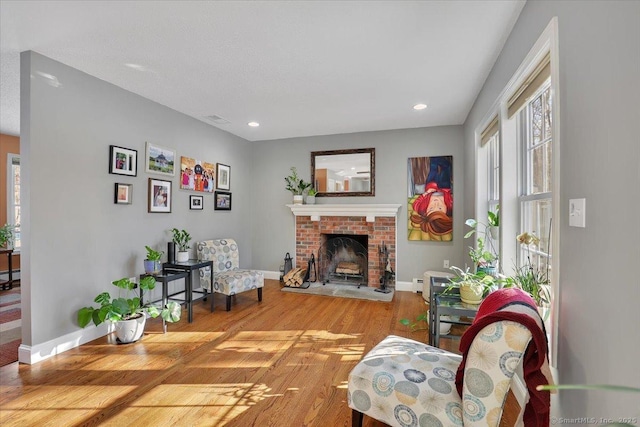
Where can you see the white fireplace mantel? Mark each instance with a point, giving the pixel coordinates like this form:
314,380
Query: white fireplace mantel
370,211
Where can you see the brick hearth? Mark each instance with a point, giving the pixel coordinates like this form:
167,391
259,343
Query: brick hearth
379,229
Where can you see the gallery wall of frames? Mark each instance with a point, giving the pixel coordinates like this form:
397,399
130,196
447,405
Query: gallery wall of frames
208,179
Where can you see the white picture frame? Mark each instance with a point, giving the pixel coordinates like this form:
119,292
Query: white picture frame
160,160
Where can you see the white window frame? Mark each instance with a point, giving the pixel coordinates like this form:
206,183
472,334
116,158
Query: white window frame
548,44
526,131
510,215
11,206
493,172
525,183
487,154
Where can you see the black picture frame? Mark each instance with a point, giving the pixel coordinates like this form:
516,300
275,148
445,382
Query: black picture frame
123,194
196,203
223,177
123,161
222,201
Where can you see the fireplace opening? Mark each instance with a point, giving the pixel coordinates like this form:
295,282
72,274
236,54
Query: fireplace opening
343,259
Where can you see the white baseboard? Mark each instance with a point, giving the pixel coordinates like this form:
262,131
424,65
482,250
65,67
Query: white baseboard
34,354
275,275
406,287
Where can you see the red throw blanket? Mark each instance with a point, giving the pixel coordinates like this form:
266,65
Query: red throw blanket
503,305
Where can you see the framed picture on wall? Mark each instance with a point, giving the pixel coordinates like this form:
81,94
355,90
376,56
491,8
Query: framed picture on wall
123,193
123,161
160,160
430,202
196,203
223,177
196,175
159,198
223,201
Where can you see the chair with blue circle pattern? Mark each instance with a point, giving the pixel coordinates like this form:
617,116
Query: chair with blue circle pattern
227,277
406,383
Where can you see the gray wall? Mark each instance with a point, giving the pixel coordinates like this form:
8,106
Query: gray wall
600,160
273,223
76,239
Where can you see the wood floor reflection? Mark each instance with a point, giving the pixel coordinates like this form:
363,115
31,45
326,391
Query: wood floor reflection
281,362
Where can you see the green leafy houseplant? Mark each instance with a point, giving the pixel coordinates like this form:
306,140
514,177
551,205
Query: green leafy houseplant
480,283
152,264
6,235
532,278
494,217
473,286
295,184
483,254
181,238
420,323
125,308
152,254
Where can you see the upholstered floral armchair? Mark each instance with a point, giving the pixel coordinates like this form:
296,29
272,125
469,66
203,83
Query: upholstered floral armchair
227,277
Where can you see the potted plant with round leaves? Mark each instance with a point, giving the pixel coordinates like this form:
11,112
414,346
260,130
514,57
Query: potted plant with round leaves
297,186
127,313
152,264
181,239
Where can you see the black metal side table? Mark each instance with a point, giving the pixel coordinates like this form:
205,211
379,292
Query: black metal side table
188,266
8,284
165,279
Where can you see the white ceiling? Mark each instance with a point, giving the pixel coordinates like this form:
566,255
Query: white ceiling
299,68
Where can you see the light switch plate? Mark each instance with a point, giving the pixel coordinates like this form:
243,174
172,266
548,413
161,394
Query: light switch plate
577,213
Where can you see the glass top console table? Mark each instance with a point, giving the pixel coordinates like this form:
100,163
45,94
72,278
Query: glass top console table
446,304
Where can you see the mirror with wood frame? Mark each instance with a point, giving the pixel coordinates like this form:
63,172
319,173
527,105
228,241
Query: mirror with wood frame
339,173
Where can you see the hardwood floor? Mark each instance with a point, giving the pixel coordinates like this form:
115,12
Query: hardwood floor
281,362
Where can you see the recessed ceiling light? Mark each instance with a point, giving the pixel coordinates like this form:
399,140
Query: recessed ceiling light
254,124
420,106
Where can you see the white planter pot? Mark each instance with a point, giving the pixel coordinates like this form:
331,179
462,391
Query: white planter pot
445,328
182,256
494,232
311,200
297,200
131,330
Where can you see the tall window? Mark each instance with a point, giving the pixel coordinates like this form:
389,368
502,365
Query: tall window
536,189
493,168
13,196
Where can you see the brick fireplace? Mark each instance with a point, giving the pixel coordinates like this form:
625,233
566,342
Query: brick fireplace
377,222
